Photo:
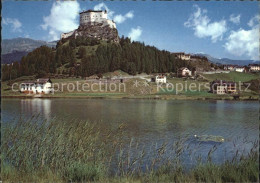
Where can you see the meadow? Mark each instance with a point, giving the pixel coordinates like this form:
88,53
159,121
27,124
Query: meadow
184,91
232,76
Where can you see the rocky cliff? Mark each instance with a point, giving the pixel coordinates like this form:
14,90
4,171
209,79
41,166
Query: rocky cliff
97,31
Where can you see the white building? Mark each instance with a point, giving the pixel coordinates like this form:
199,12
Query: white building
91,17
40,86
66,35
182,55
240,69
254,67
183,72
94,17
160,79
230,67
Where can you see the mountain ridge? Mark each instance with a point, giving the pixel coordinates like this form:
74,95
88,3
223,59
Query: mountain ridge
14,49
226,61
23,44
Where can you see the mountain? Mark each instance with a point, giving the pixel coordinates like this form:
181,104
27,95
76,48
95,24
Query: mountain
225,61
23,44
12,57
15,49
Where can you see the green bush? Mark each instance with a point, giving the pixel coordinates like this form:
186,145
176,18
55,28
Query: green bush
78,172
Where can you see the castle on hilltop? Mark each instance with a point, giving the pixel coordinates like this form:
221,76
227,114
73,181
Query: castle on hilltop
94,17
91,18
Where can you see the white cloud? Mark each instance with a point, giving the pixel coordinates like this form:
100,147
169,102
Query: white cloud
130,14
203,26
110,14
235,19
121,18
62,18
254,21
15,24
101,6
135,33
245,42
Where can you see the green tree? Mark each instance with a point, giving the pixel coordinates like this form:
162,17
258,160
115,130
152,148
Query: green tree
82,52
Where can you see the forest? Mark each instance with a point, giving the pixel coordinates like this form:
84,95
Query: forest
75,60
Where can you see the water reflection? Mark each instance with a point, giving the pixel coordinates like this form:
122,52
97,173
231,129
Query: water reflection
35,107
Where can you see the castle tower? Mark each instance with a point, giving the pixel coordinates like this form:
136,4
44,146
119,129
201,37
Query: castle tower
91,17
94,24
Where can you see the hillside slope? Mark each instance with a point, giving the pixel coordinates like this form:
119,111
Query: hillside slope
87,56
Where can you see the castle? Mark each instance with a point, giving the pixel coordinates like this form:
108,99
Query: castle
93,17
90,18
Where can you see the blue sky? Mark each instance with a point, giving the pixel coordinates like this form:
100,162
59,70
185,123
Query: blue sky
221,29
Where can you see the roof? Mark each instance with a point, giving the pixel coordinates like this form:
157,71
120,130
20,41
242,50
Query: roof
240,67
161,76
230,65
182,68
43,80
28,82
198,56
178,53
254,65
38,81
88,11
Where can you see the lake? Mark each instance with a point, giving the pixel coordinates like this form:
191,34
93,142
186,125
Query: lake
153,122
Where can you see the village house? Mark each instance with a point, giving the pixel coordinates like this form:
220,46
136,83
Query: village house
230,67
240,69
182,56
254,67
223,87
40,86
183,72
160,79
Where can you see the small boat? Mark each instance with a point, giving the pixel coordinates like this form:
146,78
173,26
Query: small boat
207,138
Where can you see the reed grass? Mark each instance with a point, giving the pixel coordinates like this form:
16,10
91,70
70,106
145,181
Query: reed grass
79,151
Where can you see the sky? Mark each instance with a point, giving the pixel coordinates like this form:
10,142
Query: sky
220,29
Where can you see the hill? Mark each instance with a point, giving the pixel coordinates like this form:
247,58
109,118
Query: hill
87,56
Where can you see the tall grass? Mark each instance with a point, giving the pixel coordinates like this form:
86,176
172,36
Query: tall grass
62,151
72,150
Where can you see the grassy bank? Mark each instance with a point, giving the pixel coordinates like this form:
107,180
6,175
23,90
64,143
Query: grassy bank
62,151
129,90
232,76
136,93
